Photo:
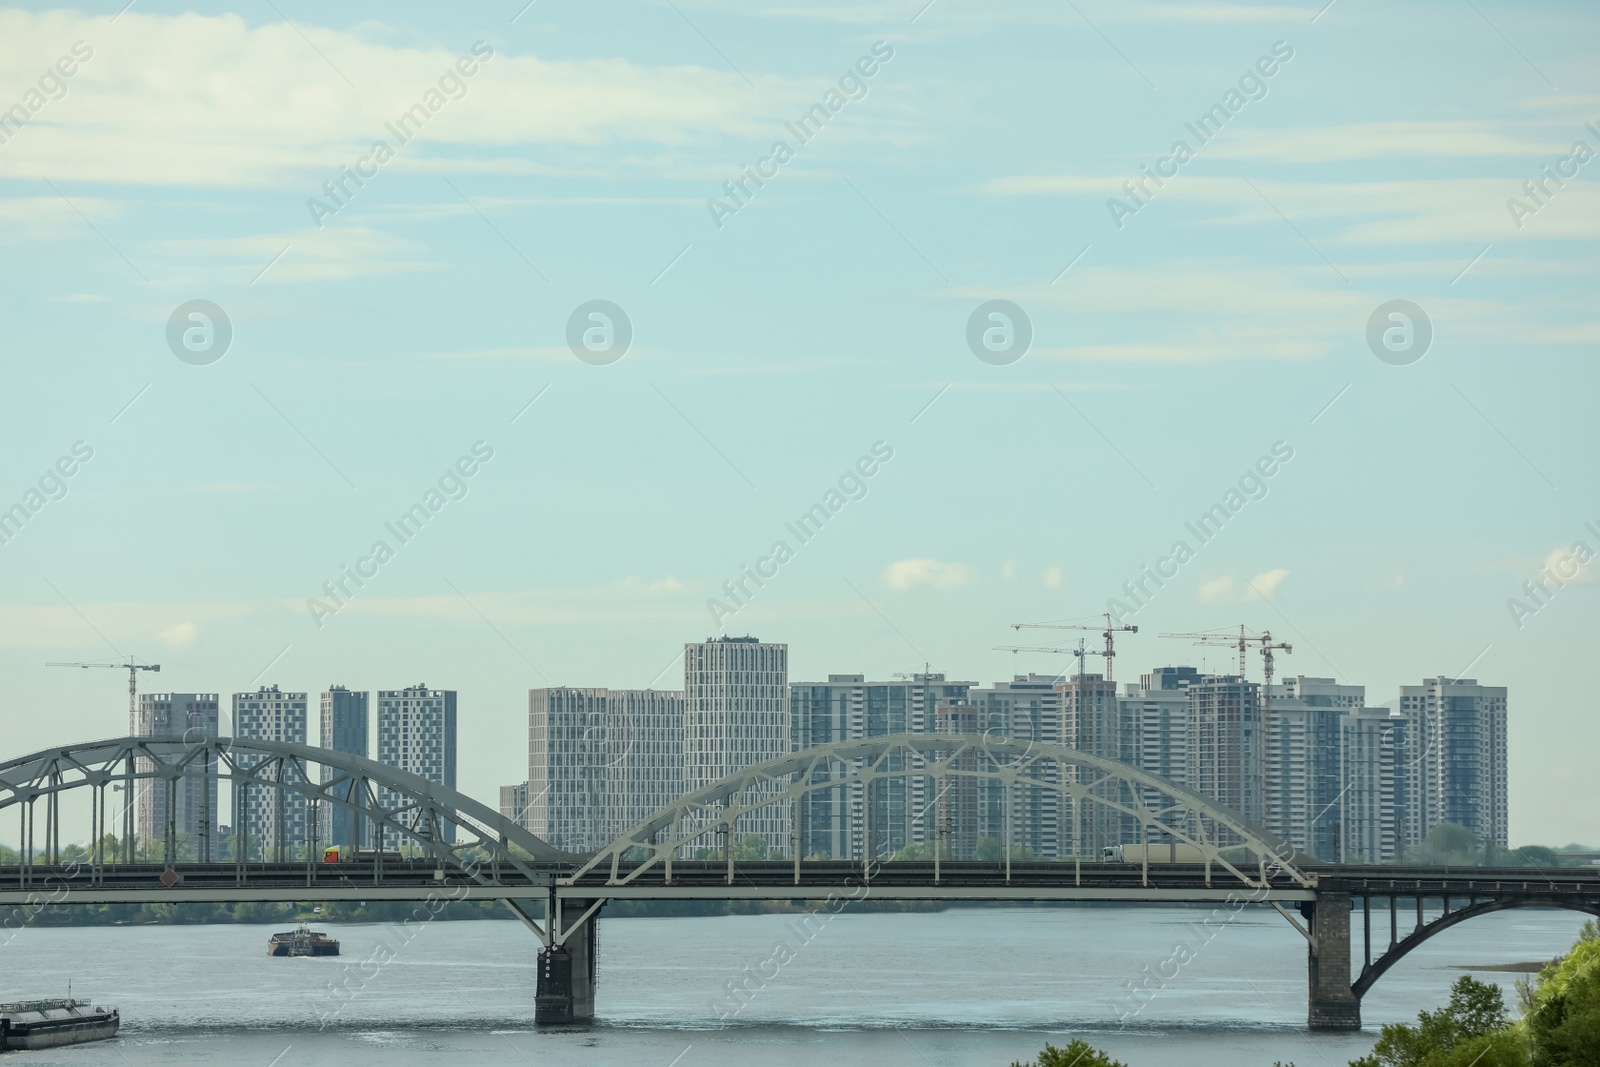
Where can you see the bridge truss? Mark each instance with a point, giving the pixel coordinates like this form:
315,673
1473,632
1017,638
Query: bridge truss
459,836
1162,809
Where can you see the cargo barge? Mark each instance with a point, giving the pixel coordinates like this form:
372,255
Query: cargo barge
302,941
35,1024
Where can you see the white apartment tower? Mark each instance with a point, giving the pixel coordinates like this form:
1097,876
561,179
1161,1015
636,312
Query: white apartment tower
1370,753
417,733
270,821
1459,735
736,714
599,761
856,820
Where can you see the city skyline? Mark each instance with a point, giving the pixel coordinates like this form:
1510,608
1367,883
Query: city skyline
420,332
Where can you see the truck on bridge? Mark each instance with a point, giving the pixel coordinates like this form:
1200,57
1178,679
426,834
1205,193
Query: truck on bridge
1171,852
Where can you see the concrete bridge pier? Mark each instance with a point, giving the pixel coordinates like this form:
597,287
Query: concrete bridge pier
1333,1005
565,992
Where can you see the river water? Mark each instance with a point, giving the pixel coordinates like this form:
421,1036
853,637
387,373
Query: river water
962,986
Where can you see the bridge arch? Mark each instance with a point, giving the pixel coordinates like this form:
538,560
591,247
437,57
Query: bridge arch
1155,803
1375,969
447,826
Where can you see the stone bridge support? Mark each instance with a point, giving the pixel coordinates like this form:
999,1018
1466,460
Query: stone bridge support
1333,1005
567,970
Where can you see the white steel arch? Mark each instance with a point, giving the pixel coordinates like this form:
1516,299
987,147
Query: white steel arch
418,810
1182,814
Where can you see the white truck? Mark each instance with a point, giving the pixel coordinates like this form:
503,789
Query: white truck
1169,852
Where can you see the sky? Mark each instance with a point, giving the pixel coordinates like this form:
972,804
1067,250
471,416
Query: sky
399,219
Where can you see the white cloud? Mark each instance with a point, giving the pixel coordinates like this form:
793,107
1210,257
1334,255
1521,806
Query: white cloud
1008,570
180,636
332,254
908,574
1229,590
1052,578
213,101
1566,564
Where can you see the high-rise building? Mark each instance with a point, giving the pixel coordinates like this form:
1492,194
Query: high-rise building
1155,715
1093,723
1302,762
193,798
1227,747
958,803
274,819
417,733
736,714
1371,797
1459,738
1157,711
1027,708
855,820
600,761
344,729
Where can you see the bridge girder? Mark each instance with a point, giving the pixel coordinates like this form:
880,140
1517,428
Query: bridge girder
1181,813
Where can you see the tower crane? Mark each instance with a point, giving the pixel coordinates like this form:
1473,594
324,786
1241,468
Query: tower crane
1242,642
1109,630
133,667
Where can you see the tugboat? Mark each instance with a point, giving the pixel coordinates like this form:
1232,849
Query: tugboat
34,1024
302,941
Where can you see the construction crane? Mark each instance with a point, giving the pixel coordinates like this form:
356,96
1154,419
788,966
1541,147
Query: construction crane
133,667
1081,652
1242,642
1109,630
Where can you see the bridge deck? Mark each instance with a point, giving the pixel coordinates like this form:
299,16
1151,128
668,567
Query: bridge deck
416,879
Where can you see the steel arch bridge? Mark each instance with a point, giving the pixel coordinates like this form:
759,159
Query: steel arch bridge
457,844
450,829
1158,805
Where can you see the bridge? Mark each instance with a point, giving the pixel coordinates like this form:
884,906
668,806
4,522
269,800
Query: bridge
439,844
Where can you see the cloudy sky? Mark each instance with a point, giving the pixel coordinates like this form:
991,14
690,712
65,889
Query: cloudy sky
401,211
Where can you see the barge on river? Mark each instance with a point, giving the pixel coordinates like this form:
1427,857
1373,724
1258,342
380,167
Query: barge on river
35,1024
302,941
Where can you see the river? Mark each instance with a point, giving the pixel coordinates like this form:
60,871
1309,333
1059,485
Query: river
963,986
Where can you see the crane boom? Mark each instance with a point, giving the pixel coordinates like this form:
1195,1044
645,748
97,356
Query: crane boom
1109,630
1080,652
133,667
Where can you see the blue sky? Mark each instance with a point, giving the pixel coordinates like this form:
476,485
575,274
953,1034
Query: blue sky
829,313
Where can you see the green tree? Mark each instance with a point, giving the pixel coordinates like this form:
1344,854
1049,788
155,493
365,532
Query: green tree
1563,1020
1470,1029
1078,1054
751,847
1449,845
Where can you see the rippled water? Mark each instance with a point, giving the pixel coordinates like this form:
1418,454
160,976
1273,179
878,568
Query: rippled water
963,986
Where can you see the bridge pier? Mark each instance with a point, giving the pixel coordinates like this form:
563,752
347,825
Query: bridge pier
1332,1003
565,992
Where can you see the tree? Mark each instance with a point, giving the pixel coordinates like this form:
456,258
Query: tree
1563,1019
1476,1011
750,847
1078,1054
1449,845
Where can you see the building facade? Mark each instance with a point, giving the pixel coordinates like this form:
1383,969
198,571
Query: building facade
416,732
600,761
1458,738
1371,794
193,798
854,820
345,727
736,714
1227,748
271,821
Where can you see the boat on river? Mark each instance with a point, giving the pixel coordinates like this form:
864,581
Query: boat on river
302,941
35,1024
